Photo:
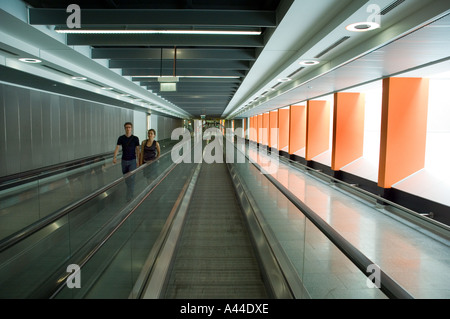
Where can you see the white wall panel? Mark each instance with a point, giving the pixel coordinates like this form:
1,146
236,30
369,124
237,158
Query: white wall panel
140,125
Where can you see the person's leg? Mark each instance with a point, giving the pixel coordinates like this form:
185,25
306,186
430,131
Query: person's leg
132,166
125,169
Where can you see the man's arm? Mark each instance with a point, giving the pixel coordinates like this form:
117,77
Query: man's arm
115,154
138,155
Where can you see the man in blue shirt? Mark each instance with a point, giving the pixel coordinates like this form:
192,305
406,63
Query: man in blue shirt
130,154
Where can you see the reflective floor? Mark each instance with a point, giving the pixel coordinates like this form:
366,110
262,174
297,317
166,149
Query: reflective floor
415,258
418,260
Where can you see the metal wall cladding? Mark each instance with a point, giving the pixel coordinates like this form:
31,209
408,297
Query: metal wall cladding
2,132
160,125
171,125
164,126
39,129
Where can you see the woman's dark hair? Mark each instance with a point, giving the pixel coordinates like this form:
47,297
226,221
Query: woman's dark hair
152,130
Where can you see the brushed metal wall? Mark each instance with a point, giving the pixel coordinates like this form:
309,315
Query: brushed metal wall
39,129
164,126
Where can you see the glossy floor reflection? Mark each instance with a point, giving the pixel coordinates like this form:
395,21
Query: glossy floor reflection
414,257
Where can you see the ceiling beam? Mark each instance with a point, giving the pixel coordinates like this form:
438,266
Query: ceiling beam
196,81
183,98
196,102
170,40
182,53
181,92
182,72
180,64
136,17
196,89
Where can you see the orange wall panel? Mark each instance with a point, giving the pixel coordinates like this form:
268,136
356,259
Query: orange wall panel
403,129
317,128
283,128
348,129
273,129
253,132
297,128
265,131
259,128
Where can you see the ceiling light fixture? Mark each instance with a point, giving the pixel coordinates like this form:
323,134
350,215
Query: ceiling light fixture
191,76
309,62
30,60
169,83
205,32
107,88
362,26
284,79
79,78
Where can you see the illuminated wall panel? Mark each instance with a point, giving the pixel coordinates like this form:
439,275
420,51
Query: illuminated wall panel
348,129
259,128
297,128
403,129
317,128
283,130
273,129
265,130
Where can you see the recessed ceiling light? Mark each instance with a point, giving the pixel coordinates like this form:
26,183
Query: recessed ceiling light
309,62
30,60
284,79
124,94
362,26
79,78
107,88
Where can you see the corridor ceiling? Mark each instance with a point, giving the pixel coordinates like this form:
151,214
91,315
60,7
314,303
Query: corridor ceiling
220,75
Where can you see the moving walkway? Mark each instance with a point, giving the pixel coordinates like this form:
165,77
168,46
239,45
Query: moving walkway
192,230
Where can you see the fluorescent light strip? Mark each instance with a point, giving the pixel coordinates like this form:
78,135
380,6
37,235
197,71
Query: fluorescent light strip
192,76
78,31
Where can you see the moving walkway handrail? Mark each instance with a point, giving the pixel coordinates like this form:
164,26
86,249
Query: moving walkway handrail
150,283
47,171
43,172
20,235
139,200
441,228
284,281
116,227
391,288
